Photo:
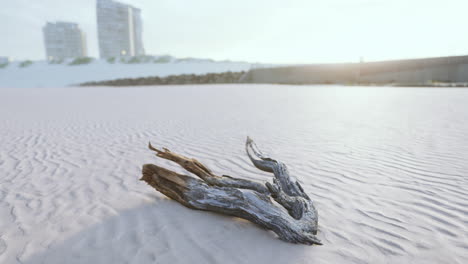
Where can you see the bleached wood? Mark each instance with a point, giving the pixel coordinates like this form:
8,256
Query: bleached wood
293,218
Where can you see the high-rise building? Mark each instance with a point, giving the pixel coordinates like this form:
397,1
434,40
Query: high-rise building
119,29
64,40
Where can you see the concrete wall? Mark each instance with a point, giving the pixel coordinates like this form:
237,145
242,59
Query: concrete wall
419,71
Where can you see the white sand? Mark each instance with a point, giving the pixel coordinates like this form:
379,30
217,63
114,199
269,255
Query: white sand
387,168
41,74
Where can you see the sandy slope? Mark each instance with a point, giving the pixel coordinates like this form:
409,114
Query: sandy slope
386,167
42,74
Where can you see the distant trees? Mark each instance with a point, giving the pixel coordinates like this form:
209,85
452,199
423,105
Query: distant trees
81,61
143,59
111,60
25,63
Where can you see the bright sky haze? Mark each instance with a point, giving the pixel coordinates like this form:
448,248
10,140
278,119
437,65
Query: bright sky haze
269,31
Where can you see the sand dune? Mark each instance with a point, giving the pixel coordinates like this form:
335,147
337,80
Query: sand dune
386,168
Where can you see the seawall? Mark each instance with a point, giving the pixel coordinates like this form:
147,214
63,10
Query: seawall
413,72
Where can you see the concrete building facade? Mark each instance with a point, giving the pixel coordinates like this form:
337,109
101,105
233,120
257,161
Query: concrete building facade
119,29
64,40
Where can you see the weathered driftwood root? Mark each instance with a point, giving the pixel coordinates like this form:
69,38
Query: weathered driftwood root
293,218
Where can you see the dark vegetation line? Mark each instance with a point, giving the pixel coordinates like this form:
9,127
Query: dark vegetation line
225,77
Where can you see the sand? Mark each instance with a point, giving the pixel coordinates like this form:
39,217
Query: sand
386,167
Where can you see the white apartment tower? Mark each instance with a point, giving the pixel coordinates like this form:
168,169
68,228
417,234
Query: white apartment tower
64,40
119,29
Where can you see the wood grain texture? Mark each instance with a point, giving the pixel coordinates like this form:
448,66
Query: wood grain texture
293,217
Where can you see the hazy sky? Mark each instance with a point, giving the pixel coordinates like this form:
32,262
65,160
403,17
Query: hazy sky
275,31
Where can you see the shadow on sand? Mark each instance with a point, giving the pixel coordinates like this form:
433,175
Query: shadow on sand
165,232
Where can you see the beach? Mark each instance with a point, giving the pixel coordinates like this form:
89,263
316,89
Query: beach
386,168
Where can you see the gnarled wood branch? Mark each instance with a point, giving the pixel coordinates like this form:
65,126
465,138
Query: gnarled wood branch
294,217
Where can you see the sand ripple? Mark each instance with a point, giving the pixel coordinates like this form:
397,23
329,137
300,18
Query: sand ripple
386,167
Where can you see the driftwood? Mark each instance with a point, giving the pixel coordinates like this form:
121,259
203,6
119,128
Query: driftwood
293,217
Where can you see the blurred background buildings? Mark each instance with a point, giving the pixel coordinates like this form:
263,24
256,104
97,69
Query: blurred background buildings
119,28
64,40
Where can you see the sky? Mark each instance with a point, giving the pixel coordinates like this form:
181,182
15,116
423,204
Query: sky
267,31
